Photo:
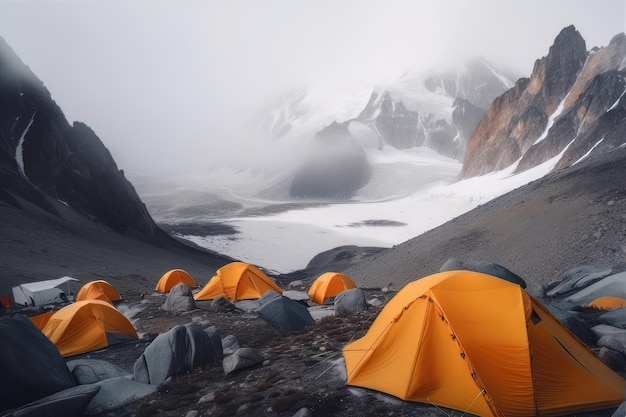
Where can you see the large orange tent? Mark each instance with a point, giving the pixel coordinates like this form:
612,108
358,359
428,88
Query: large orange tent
328,285
476,343
173,277
238,281
98,290
86,326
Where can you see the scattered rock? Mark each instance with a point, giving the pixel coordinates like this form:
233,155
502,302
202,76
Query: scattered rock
350,301
179,299
242,358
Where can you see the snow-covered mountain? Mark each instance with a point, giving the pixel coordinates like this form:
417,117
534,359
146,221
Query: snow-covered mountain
435,109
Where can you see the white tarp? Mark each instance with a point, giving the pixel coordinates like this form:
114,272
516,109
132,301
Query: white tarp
42,292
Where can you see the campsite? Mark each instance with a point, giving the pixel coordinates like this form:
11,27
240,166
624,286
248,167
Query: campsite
345,361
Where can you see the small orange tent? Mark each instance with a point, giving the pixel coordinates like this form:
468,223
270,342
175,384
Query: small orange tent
98,290
608,303
173,277
476,343
238,281
86,326
328,285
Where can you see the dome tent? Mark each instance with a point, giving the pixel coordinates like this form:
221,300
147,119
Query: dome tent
238,281
328,285
173,277
464,340
86,326
98,290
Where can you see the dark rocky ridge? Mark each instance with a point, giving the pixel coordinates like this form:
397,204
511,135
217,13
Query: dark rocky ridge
60,178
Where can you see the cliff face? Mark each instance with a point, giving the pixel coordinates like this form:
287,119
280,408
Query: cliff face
571,105
46,162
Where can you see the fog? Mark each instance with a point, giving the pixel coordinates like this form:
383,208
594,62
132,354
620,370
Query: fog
169,85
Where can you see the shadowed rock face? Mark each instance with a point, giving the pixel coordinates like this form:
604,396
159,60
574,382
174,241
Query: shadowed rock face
571,105
336,169
46,161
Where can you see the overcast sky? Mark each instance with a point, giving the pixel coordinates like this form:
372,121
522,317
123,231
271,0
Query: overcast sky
169,80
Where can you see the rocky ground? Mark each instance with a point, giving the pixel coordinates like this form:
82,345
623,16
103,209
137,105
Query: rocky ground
301,370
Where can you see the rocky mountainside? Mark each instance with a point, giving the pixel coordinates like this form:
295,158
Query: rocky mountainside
46,162
572,105
62,181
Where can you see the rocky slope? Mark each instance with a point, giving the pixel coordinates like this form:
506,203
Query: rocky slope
60,178
571,217
572,105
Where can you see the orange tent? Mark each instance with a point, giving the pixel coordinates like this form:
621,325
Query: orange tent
238,281
98,290
328,285
173,277
40,320
476,343
86,326
608,303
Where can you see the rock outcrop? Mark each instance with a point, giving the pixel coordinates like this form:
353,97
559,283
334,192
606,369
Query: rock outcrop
571,106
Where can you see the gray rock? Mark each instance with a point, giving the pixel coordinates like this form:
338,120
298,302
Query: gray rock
221,305
297,295
268,296
296,284
90,371
615,341
615,318
117,392
576,277
180,349
350,301
612,285
615,360
375,302
71,402
248,306
230,344
489,268
303,412
179,299
242,358
286,314
601,330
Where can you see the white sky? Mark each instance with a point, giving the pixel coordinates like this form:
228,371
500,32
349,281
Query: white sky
164,83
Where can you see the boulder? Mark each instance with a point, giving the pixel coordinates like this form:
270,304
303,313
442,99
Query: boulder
615,318
614,341
286,314
179,350
179,299
615,360
230,344
221,305
350,301
612,285
489,268
578,277
30,362
116,392
90,371
71,402
242,358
